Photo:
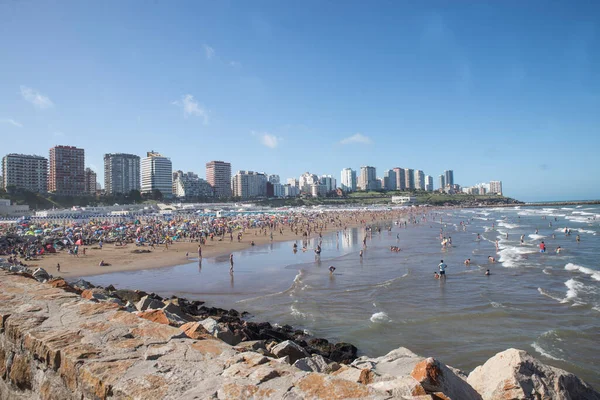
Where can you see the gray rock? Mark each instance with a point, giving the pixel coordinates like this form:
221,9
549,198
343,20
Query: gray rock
173,309
515,374
82,284
147,302
210,325
316,363
289,348
251,345
399,362
41,275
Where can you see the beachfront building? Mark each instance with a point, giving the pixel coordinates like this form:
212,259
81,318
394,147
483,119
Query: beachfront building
306,181
66,172
218,175
496,187
293,182
25,172
318,190
389,180
348,180
449,178
90,182
329,182
442,182
409,179
121,173
157,174
188,184
368,178
403,200
249,184
429,183
400,178
290,191
419,179
274,179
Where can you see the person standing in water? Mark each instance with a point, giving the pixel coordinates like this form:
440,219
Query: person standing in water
231,263
442,266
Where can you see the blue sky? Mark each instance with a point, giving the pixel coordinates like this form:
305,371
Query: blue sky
504,90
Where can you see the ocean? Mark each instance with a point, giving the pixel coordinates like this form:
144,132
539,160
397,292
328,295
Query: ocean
545,303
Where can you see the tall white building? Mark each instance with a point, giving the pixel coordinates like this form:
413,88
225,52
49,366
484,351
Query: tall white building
429,183
157,174
449,177
121,173
249,184
348,180
25,171
389,180
368,178
293,182
409,178
419,179
400,178
274,179
496,187
306,181
188,184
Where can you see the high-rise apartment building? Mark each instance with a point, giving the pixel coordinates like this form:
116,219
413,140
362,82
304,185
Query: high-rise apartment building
188,185
274,179
409,179
400,178
157,174
329,182
121,173
389,180
66,176
249,184
218,175
293,182
449,177
348,181
442,182
90,182
419,179
496,187
306,181
26,172
429,183
368,178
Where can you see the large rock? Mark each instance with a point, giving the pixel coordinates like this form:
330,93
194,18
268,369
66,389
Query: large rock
398,362
515,374
289,348
210,325
41,275
316,363
195,331
161,317
344,353
435,377
133,296
148,302
176,310
82,284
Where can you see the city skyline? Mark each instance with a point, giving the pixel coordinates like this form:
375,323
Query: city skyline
425,86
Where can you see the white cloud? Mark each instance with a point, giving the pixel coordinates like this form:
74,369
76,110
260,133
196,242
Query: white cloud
356,138
209,52
12,122
270,141
191,107
36,98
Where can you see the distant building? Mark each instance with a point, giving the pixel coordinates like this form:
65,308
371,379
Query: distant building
403,199
66,176
306,181
291,191
8,210
429,183
318,190
419,180
249,184
409,179
218,175
121,173
90,182
329,182
188,185
400,178
25,171
157,174
442,182
274,179
449,177
496,187
389,180
368,178
348,181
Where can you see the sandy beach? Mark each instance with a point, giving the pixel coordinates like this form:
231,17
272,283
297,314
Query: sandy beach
131,257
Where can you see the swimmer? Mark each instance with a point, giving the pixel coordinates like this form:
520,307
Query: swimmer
558,250
360,254
468,261
487,272
436,275
331,269
522,238
491,259
578,239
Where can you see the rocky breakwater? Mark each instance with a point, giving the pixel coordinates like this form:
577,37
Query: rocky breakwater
62,341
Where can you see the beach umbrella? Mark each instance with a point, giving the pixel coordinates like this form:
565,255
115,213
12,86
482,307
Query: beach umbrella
79,243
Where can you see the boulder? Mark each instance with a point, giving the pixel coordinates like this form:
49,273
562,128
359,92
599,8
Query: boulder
148,302
251,345
133,296
435,376
516,374
343,353
176,310
316,363
82,284
94,294
195,331
225,334
320,346
398,362
289,348
62,284
161,317
210,325
41,275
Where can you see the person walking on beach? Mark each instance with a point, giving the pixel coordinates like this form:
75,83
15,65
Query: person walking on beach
442,266
199,252
231,263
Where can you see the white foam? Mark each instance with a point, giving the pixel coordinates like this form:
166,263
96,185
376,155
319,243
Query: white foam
588,271
540,350
511,256
548,271
380,317
544,293
574,288
508,225
536,236
496,305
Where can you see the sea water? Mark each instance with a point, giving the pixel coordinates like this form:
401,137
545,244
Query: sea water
545,303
